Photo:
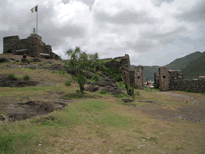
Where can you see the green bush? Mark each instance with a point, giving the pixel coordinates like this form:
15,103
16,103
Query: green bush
95,77
26,76
113,60
103,92
68,83
122,85
115,72
11,75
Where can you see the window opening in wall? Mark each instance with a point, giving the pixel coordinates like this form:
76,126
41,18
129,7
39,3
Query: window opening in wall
138,77
164,77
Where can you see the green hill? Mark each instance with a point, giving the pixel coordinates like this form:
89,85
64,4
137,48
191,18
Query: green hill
182,62
194,68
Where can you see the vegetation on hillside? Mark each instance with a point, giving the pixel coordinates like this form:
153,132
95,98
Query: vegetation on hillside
80,62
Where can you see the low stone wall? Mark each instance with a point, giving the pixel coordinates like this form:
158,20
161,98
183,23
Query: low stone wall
197,86
174,76
177,82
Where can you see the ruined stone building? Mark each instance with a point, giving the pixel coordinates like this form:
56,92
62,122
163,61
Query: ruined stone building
32,46
139,77
166,79
135,77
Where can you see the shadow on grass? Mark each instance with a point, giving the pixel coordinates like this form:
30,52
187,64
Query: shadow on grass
78,95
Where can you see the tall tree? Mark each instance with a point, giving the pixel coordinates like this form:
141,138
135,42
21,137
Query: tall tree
80,62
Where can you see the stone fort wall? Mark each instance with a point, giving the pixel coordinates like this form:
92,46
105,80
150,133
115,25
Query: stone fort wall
177,82
33,44
123,63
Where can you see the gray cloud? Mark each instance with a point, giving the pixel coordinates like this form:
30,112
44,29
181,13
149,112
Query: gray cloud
125,17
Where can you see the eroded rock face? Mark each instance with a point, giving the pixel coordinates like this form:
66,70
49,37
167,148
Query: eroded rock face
126,100
14,82
92,88
2,59
24,60
57,67
2,118
22,111
113,90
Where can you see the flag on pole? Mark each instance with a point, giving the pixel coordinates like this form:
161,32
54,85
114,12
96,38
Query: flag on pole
36,9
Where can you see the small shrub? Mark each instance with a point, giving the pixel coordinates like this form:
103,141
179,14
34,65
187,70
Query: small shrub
113,60
11,75
78,91
95,77
137,92
121,84
26,76
103,92
68,83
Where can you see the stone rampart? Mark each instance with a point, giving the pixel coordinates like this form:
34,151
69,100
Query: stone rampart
33,44
197,86
177,82
10,42
174,77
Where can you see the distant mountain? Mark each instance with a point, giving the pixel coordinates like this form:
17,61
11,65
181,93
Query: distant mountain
191,66
194,68
182,62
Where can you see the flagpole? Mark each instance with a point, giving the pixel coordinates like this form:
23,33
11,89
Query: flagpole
37,20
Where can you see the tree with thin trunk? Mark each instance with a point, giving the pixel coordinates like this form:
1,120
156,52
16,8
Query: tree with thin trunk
80,62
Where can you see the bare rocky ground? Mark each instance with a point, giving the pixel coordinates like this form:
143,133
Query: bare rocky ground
12,110
194,111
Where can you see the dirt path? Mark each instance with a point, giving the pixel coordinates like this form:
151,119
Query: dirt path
193,99
195,112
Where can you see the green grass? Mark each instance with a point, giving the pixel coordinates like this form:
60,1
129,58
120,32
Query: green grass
103,92
93,112
77,95
150,90
61,72
12,142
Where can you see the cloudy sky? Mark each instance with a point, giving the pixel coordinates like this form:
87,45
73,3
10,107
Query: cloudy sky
152,32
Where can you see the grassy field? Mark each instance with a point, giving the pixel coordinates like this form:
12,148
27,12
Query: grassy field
99,123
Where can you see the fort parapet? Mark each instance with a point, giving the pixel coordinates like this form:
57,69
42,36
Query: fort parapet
32,46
